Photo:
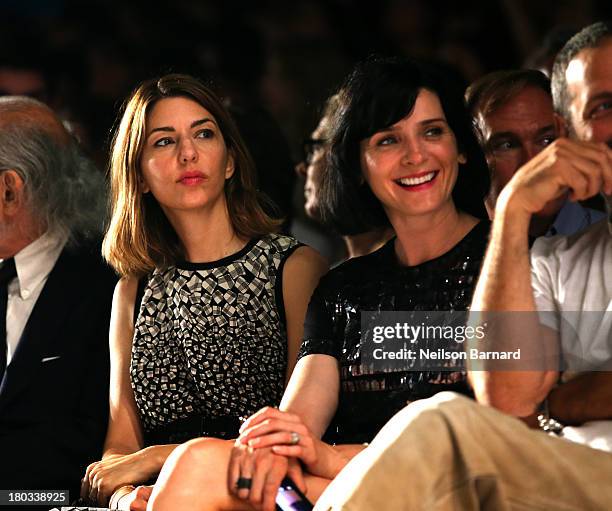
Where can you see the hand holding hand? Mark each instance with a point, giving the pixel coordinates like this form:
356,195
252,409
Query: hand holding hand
287,435
255,475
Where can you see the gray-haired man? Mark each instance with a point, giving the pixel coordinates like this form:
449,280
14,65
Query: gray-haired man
55,299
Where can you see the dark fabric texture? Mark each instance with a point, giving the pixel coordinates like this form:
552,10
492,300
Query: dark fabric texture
377,282
7,273
194,426
54,397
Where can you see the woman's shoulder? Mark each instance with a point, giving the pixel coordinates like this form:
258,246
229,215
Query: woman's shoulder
293,252
478,236
127,287
277,242
362,268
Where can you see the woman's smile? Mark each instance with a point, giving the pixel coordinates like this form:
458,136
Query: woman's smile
418,182
417,154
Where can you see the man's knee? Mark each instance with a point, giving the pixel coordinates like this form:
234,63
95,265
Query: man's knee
439,415
452,403
441,405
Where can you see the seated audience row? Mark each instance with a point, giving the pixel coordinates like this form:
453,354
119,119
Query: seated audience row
515,392
213,325
410,160
409,181
469,456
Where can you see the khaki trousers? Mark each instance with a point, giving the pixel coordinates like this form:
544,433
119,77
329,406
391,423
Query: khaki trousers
449,453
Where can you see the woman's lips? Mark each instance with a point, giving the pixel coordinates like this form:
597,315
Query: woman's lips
418,182
192,178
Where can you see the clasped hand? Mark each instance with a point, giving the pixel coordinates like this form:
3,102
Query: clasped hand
269,446
103,477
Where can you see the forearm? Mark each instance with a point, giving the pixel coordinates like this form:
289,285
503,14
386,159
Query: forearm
155,456
505,278
312,393
581,168
122,450
585,398
505,287
331,459
148,461
347,452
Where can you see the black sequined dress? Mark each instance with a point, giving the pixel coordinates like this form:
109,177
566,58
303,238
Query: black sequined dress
377,282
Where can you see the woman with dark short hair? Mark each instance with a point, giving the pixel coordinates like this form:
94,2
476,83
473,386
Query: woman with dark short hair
403,153
213,331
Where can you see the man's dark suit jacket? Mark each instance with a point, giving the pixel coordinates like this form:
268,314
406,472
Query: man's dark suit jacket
54,396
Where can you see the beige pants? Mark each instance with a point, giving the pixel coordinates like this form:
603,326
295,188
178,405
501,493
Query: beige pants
449,453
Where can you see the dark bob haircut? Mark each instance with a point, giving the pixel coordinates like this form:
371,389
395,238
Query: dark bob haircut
377,94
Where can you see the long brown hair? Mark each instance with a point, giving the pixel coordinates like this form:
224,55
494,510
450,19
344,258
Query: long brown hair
139,237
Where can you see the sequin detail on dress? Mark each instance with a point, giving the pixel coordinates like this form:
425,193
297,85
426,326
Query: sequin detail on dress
377,282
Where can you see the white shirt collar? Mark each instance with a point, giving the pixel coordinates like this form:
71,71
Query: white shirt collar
35,262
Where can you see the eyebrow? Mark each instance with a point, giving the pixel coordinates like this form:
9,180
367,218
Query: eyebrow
194,124
598,96
502,134
511,134
394,127
550,127
435,119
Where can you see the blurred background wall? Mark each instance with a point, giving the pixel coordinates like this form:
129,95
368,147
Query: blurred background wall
274,61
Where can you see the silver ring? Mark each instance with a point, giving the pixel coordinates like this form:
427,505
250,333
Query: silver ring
295,438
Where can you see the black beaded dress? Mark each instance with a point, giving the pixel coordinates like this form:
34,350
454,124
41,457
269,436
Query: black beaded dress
377,282
210,343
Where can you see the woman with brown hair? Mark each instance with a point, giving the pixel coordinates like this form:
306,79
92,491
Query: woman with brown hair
403,154
208,315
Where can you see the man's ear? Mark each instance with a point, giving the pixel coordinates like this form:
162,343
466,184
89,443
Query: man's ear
11,190
561,127
462,158
229,168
